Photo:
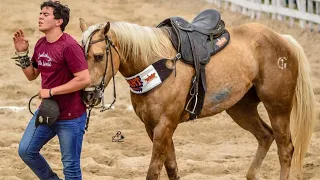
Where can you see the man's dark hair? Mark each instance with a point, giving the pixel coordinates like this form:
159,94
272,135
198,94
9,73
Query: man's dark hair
59,11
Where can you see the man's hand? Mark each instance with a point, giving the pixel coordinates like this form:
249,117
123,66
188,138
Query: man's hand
20,43
44,93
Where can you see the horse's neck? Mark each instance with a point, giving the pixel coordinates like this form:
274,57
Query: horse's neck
131,68
137,62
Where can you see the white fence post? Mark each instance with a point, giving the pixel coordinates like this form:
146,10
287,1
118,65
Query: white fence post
258,13
244,10
218,3
267,2
310,10
274,3
318,13
226,4
302,8
291,6
280,5
252,12
233,7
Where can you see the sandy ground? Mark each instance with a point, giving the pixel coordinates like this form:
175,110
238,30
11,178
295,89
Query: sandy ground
210,148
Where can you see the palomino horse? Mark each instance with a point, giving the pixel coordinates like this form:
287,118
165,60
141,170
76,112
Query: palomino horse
267,67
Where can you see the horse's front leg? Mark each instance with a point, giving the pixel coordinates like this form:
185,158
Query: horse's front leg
171,163
163,150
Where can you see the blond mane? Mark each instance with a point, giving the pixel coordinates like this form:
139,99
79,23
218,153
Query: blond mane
141,42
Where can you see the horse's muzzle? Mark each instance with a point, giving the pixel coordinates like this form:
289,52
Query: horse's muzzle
92,96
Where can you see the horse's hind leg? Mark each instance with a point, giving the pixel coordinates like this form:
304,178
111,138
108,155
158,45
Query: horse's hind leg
280,122
245,114
277,99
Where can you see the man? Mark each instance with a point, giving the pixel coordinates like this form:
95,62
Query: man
64,72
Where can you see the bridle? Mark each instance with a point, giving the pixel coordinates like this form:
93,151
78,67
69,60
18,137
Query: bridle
98,91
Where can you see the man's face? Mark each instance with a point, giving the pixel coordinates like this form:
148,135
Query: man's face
47,21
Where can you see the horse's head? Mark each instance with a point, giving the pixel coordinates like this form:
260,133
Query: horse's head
102,57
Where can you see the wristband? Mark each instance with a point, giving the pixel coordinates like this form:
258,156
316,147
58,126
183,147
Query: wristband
24,62
50,92
22,59
22,53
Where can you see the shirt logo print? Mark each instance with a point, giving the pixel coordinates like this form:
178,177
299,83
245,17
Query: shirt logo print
44,59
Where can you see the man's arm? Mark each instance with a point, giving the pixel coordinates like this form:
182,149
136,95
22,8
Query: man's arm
21,45
81,80
31,73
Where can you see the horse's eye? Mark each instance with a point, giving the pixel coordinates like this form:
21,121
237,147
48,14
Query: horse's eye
98,57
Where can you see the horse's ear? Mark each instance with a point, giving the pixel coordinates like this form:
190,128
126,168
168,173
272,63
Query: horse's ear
83,25
106,28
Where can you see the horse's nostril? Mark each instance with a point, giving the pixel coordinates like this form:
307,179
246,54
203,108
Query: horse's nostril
91,98
87,97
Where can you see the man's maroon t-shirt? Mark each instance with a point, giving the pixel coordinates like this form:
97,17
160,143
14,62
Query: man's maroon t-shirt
57,62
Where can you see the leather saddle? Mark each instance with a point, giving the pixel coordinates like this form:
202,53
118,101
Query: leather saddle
197,42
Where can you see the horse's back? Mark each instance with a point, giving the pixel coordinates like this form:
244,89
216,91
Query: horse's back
254,57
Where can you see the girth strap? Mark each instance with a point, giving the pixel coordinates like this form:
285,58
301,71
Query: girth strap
198,87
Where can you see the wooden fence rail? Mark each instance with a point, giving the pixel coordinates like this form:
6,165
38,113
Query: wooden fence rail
304,12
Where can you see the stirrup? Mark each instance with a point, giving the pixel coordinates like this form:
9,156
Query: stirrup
193,94
194,106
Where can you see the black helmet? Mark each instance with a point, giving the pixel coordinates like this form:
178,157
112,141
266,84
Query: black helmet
48,112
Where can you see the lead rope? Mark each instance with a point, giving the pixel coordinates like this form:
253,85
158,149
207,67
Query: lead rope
88,117
29,104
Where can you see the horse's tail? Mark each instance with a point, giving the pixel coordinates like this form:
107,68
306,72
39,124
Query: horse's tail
303,114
